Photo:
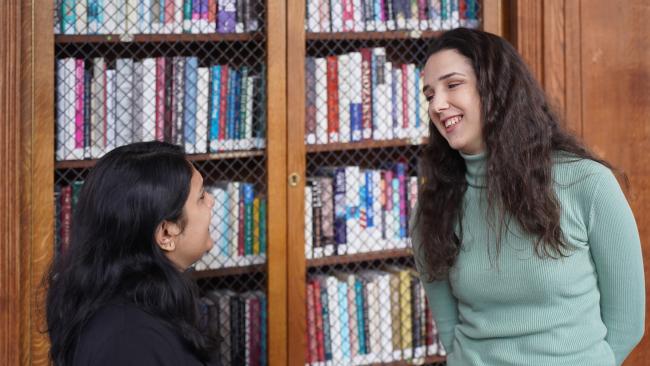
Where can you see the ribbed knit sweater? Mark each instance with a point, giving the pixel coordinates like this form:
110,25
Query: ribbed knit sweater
518,309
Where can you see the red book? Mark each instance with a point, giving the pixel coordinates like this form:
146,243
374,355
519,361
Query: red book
66,217
405,97
312,353
332,99
223,103
318,320
169,12
366,92
160,98
212,12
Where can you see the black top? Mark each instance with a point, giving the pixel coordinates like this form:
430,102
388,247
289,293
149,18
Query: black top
123,334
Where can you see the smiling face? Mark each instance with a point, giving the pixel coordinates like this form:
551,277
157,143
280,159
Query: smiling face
451,88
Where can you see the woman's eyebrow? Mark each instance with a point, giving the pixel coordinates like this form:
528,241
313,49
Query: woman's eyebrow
447,76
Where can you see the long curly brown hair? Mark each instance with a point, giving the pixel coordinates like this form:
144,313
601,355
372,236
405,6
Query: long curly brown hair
520,131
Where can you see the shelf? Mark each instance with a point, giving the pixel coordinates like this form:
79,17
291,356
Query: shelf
368,144
360,257
230,271
354,36
155,38
423,361
72,164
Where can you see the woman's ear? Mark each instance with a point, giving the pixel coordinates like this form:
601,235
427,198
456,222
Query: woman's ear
166,234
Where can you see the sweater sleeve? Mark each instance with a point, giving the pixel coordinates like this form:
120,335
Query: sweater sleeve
443,305
616,251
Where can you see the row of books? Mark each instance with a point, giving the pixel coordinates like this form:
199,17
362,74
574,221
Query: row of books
350,210
238,227
387,15
361,96
102,104
240,322
369,317
156,16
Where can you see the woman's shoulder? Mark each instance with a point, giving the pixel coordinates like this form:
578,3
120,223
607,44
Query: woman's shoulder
569,168
123,332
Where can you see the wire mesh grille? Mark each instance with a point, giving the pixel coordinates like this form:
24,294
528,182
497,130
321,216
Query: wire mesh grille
365,125
190,72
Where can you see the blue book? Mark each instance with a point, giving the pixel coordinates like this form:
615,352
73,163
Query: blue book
222,204
356,119
401,194
378,10
263,331
340,227
226,16
345,321
161,17
230,109
262,223
68,17
369,188
215,100
95,15
249,195
189,107
237,107
358,298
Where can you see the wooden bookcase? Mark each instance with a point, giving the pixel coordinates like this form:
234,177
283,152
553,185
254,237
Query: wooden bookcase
299,46
285,159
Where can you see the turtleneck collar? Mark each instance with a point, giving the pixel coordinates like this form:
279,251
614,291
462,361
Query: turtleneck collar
475,169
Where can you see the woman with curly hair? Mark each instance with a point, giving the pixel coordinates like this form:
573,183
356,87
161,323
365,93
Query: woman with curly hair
525,243
119,294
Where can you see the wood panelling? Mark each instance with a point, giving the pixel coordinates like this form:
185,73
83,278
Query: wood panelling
573,76
277,190
615,71
37,164
528,34
9,188
296,165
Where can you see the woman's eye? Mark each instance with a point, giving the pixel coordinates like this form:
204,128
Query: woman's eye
428,97
453,85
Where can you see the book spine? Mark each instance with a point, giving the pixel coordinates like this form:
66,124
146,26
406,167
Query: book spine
203,91
248,218
160,98
332,99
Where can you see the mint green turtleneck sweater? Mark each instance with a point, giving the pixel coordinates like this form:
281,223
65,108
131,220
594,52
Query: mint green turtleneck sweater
517,309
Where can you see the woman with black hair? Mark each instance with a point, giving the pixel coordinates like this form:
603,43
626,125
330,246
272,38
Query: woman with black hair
525,243
119,295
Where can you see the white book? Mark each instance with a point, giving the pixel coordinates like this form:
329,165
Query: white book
359,24
374,320
423,130
400,131
324,7
309,222
202,108
110,16
179,97
313,16
385,325
320,80
131,12
356,90
411,91
178,17
110,109
81,10
345,81
120,16
123,98
66,99
388,103
250,87
352,203
379,106
144,16
376,209
138,112
233,194
149,99
336,7
97,108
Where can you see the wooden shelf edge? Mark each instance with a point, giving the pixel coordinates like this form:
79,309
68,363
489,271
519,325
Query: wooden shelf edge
369,144
230,271
89,163
359,257
353,36
62,39
419,361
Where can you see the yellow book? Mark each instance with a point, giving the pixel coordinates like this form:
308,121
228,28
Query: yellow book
405,311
